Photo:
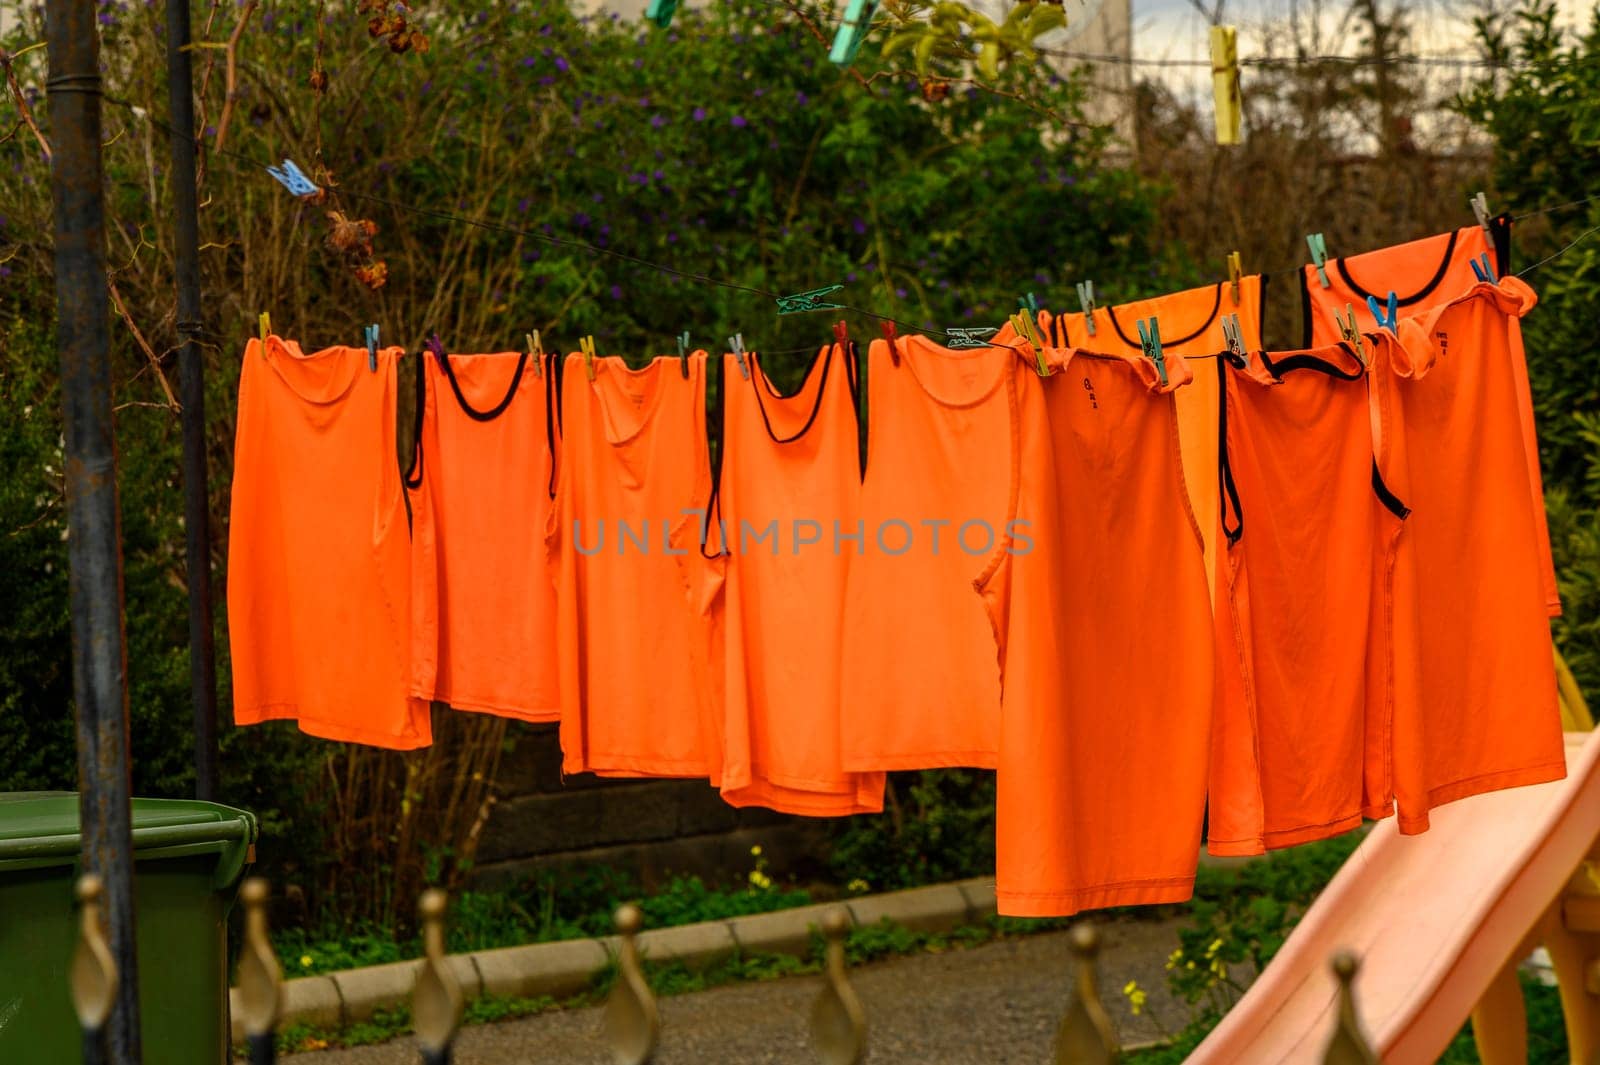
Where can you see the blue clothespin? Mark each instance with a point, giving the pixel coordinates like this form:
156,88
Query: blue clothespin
371,337
1150,341
291,178
1384,321
1319,256
852,31
683,353
976,336
661,11
736,345
1484,269
812,300
1086,298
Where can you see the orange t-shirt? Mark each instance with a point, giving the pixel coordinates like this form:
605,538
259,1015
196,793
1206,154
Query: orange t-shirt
630,652
318,551
1476,707
1425,274
1191,327
921,686
483,605
773,587
1106,647
1310,530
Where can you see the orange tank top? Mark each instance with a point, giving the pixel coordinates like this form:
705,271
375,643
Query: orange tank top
630,653
921,685
1473,639
1191,327
1424,274
318,550
790,476
1106,645
483,606
1310,529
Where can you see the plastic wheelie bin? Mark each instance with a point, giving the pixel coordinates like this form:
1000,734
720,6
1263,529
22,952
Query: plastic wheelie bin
188,859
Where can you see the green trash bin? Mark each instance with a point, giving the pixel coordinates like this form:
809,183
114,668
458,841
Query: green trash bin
188,858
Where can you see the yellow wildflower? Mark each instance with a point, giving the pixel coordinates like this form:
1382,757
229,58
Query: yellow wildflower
858,885
756,850
1174,958
1216,945
759,879
305,961
1188,965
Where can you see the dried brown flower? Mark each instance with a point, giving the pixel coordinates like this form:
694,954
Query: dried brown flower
374,275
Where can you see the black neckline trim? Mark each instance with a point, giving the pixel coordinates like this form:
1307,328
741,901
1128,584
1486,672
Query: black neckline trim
766,383
1216,306
467,408
1420,294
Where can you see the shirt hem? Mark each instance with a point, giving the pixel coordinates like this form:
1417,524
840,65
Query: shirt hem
931,760
540,715
339,732
1067,903
1543,773
1289,837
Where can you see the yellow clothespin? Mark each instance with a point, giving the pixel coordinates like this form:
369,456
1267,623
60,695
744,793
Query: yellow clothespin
586,345
1350,332
1225,82
265,324
1028,330
536,349
1235,274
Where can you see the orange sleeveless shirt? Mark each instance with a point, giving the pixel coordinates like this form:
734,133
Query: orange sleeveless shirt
318,550
1425,274
790,474
630,653
1106,647
483,605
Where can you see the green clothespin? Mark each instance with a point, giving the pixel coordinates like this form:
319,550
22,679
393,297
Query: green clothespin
852,31
661,11
1150,340
1319,256
1086,298
1029,304
801,302
586,345
683,353
976,336
736,345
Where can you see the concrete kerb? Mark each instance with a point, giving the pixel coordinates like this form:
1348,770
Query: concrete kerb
568,966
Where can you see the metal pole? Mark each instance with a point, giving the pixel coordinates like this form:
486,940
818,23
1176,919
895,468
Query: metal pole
191,389
94,548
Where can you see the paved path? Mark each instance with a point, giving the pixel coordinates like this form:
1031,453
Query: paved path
992,1005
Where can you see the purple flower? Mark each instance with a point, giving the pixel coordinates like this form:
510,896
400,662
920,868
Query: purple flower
801,98
657,121
672,238
644,101
529,61
760,92
900,292
599,197
851,276
581,220
658,175
616,292
860,225
561,64
522,205
699,114
739,122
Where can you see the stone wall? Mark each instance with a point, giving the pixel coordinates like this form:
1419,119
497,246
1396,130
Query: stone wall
652,828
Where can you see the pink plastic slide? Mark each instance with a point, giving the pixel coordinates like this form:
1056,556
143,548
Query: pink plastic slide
1433,919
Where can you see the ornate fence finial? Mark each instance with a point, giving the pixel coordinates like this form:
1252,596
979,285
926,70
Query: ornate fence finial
632,1023
260,978
94,972
436,1003
1085,1036
1349,1044
838,1023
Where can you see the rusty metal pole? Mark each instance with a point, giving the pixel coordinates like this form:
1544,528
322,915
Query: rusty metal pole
191,391
94,547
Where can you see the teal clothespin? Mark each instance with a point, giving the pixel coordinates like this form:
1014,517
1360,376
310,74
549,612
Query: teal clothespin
976,336
1484,269
1086,298
736,345
852,31
291,178
1384,321
1029,304
683,353
812,300
372,347
1234,336
1150,341
1319,256
661,11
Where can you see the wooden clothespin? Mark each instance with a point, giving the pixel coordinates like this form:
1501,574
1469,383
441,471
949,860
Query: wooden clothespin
264,324
1150,341
1086,298
1483,269
1319,256
1385,321
1028,330
536,352
586,345
1225,82
371,338
852,31
1350,332
683,353
1235,274
1480,210
1233,335
736,345
889,335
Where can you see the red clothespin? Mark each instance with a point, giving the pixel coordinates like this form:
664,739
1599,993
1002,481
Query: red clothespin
841,335
889,335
